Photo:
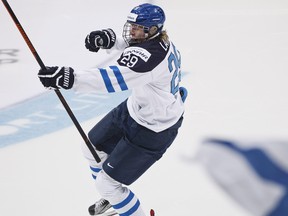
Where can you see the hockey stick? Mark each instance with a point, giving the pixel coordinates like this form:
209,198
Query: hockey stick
58,93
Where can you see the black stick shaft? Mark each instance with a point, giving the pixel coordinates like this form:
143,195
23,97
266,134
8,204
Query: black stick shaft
58,93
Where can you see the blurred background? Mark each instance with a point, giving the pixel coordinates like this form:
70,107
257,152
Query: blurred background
230,157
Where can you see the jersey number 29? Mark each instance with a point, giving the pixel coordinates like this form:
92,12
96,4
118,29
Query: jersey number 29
174,65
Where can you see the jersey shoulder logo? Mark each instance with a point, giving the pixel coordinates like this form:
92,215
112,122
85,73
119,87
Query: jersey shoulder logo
137,51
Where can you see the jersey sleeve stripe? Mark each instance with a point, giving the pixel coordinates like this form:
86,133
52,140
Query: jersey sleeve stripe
119,78
107,80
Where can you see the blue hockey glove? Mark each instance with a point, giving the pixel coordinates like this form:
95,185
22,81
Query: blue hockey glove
56,77
104,39
183,93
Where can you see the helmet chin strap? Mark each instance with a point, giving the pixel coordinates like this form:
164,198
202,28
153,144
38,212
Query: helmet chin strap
152,33
154,36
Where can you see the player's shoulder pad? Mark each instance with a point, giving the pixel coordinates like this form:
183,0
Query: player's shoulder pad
143,57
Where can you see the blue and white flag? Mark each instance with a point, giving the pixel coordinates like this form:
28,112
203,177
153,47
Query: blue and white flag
254,173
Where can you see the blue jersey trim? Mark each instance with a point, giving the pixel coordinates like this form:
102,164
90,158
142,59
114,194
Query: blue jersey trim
119,78
107,80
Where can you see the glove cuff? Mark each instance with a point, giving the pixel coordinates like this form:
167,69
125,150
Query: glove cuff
111,38
68,78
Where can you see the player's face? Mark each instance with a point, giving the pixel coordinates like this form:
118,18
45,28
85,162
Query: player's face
133,33
137,32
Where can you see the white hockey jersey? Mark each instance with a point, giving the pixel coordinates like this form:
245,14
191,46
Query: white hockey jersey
152,71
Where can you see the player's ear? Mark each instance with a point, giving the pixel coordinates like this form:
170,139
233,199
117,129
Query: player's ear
153,30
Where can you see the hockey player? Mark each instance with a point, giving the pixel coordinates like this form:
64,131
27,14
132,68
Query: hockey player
135,134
